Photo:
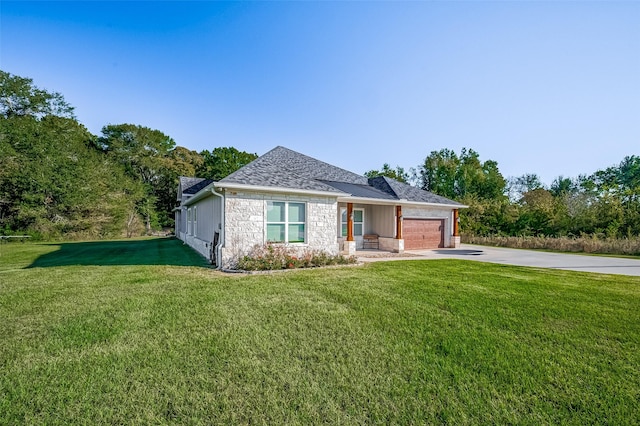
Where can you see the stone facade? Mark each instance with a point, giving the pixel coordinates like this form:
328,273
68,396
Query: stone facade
245,223
391,244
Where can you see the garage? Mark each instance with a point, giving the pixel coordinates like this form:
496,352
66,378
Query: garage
423,233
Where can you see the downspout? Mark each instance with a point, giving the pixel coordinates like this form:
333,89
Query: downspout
218,247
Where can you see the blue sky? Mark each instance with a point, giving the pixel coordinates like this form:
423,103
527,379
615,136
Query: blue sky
551,88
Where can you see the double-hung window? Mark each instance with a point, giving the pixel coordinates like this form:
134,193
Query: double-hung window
358,222
189,223
286,222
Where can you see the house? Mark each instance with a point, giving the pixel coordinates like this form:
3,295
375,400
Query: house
285,197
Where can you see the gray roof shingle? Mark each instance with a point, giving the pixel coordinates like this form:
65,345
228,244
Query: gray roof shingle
191,185
284,168
403,191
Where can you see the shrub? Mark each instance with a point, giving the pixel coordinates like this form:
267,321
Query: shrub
271,257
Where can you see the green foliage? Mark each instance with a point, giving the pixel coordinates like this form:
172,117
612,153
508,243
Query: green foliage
398,173
221,162
52,183
273,257
446,174
151,159
19,97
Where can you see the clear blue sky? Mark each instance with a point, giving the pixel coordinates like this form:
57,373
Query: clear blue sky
551,88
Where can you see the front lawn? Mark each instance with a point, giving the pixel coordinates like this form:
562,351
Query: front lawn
127,334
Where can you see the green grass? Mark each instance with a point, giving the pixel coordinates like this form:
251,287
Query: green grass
106,333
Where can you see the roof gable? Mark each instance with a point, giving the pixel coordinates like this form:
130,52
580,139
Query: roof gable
285,169
403,191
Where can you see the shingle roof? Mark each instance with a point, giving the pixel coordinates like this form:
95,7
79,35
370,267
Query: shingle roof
284,168
407,192
364,191
191,185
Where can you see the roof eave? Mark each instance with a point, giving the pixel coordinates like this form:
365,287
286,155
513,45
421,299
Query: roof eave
277,189
401,202
203,193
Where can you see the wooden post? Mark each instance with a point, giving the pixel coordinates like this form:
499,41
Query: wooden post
349,221
398,222
456,218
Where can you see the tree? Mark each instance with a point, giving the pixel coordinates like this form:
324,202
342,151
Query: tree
452,176
221,162
563,185
19,97
518,186
143,153
52,180
398,173
179,162
438,173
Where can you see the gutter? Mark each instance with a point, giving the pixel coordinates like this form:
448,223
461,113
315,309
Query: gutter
218,247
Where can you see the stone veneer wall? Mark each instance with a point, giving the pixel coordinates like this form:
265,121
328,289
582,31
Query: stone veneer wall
391,244
245,223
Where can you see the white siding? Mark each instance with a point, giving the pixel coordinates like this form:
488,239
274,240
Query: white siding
209,221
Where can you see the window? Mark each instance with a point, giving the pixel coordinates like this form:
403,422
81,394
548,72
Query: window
189,224
358,222
286,222
195,220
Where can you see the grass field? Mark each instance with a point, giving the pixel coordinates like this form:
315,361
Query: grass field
143,332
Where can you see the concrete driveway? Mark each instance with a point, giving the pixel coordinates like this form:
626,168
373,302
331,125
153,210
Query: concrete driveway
517,257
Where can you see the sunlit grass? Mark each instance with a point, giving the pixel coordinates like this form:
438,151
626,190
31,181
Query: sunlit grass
399,342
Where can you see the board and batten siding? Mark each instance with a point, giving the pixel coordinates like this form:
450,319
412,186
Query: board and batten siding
209,220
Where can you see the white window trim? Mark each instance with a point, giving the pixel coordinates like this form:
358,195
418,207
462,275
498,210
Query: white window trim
189,222
195,221
344,209
286,223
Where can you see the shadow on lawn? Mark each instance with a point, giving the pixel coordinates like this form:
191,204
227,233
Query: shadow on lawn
156,251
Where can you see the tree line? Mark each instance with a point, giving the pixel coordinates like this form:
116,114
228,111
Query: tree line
57,180
605,203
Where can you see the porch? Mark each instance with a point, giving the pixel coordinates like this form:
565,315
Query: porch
394,228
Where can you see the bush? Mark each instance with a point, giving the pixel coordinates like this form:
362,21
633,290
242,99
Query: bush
271,257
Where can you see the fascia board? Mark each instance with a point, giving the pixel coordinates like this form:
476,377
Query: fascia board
277,189
402,202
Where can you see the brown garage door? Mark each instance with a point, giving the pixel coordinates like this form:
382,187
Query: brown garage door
423,233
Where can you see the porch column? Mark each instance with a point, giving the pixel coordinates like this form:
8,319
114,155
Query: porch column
349,221
455,238
349,247
398,222
456,219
